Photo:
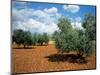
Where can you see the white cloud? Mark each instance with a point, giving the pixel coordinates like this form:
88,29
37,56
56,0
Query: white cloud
34,20
78,19
51,10
76,23
71,8
21,14
49,28
32,24
28,25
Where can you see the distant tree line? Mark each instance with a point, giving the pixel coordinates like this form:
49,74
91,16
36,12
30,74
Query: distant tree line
26,38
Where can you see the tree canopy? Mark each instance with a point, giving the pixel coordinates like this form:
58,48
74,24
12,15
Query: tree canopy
89,25
26,38
68,38
22,37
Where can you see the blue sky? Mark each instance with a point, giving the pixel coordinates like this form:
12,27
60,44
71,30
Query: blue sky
43,17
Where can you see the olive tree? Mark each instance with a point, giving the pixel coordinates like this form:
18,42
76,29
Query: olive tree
27,39
22,37
45,38
42,38
89,24
34,38
18,36
68,38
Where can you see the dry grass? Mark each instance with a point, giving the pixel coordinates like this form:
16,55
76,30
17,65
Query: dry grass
35,60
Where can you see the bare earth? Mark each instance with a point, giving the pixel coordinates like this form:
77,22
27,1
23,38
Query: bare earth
43,59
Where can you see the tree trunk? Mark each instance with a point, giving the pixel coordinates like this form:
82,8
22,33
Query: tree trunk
24,46
41,44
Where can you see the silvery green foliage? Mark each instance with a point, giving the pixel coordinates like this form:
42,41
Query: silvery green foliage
73,39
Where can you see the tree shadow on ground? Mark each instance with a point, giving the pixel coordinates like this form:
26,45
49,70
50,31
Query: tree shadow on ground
72,58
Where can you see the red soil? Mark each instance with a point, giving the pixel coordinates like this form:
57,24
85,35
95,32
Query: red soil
34,60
